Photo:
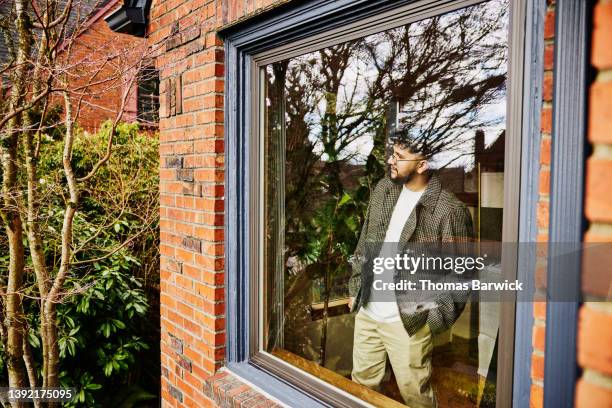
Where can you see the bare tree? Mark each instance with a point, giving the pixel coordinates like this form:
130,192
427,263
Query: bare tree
46,67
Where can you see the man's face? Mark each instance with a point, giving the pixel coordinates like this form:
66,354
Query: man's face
405,165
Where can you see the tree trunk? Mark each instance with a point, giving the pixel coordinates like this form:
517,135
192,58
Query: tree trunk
14,318
325,320
49,310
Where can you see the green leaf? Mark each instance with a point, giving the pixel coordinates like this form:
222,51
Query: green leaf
33,339
119,324
106,330
345,199
71,347
352,223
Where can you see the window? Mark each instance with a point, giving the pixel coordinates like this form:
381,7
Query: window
324,113
148,97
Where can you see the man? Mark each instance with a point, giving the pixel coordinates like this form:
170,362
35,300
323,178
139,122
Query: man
408,207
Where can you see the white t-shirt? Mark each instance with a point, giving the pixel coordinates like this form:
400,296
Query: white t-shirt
387,311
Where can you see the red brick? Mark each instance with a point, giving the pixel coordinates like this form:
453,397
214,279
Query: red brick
209,85
209,234
212,278
169,237
546,120
211,293
208,351
591,237
595,282
184,255
539,337
166,200
549,57
184,309
213,307
212,219
184,120
192,272
209,175
598,202
600,112
590,395
209,116
212,322
539,310
543,214
594,340
210,263
212,39
547,87
211,365
545,150
192,328
183,282
213,190
208,204
208,146
602,33
166,249
186,202
536,399
537,367
545,181
549,25
541,276
215,249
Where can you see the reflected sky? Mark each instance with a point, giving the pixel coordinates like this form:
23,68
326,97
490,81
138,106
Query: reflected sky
430,73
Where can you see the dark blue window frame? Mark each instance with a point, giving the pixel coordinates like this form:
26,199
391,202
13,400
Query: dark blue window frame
299,20
567,223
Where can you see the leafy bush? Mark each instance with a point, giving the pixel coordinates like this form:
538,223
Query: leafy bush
108,318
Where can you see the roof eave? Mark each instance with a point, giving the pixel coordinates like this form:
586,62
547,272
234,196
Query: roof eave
128,20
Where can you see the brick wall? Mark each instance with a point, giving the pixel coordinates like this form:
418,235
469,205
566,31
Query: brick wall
191,65
191,68
543,212
102,63
594,389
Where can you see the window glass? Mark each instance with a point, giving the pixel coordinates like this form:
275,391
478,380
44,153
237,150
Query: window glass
332,119
148,97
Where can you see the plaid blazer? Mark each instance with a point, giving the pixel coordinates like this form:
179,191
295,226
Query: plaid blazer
437,217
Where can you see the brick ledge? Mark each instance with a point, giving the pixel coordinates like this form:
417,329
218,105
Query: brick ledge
229,391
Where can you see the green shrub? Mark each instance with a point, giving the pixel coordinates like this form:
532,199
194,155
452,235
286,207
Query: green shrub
108,318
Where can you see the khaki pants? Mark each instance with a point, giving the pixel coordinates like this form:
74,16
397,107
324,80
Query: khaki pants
410,358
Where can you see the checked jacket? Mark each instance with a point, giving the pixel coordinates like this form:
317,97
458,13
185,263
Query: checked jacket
438,217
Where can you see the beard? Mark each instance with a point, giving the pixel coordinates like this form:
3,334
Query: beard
400,180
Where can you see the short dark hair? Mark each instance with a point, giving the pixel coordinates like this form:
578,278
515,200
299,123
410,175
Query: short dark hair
411,140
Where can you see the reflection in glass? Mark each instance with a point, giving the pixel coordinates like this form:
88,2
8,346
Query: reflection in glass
327,116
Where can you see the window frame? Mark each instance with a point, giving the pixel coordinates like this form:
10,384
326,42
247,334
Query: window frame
293,29
151,74
567,221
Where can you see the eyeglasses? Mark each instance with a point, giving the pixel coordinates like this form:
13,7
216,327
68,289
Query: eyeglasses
396,159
